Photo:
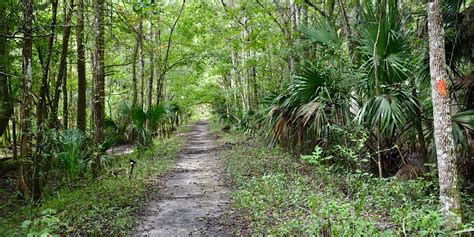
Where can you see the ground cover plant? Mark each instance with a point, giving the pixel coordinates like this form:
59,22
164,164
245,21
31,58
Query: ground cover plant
352,100
278,193
106,207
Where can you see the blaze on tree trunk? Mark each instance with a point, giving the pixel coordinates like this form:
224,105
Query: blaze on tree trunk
99,79
26,115
443,131
81,69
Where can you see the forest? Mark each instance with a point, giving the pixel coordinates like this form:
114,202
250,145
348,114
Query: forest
236,118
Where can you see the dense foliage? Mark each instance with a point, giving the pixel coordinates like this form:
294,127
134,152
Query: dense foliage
277,193
342,84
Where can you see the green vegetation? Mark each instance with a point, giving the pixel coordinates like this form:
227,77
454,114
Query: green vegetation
281,194
104,207
348,96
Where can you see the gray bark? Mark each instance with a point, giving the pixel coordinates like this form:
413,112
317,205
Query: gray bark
99,78
443,131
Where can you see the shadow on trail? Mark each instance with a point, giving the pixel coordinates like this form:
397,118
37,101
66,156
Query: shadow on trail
194,199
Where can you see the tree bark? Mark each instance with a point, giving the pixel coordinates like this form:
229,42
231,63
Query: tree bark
41,106
347,27
62,71
164,63
6,102
26,115
99,79
81,69
152,69
419,127
134,76
443,131
65,101
158,70
141,61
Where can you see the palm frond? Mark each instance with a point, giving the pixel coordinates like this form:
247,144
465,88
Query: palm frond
322,33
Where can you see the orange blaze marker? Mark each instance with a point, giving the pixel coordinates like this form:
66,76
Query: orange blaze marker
442,88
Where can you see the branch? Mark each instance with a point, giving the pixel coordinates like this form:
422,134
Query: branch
175,64
227,11
125,21
165,61
283,29
311,4
13,36
118,65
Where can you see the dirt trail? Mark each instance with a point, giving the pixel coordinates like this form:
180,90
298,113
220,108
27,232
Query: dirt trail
194,200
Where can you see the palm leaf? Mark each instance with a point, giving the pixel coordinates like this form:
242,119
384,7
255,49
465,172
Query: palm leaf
322,33
465,118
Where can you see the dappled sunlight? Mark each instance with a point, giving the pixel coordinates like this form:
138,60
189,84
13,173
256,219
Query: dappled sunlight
236,118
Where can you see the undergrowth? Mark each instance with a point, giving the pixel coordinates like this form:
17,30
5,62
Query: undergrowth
105,206
279,194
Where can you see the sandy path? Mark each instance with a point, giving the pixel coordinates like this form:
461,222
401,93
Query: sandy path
194,199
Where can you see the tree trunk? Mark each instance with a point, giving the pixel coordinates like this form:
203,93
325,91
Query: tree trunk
134,76
99,79
141,62
443,130
419,127
26,114
152,69
65,101
41,106
158,72
377,93
347,28
81,69
6,102
62,71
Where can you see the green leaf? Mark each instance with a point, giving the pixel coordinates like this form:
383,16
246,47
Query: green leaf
26,224
465,118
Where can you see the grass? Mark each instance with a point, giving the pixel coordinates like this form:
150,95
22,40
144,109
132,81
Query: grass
279,194
96,207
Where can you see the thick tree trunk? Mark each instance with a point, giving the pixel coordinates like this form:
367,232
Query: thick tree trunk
6,102
62,71
81,69
26,114
443,130
99,79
